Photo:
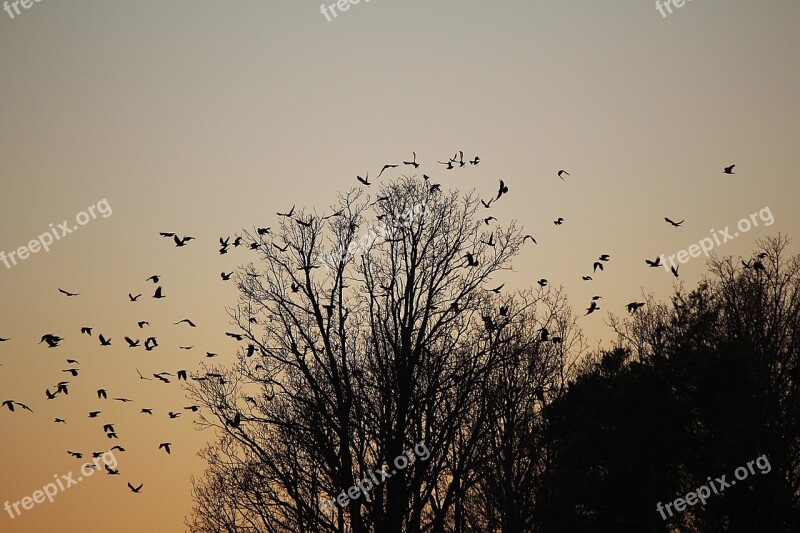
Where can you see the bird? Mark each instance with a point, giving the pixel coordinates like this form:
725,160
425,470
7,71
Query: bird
674,270
449,164
108,428
51,340
50,395
487,204
604,257
146,411
210,354
598,264
166,446
86,330
134,298
101,393
154,278
529,237
413,162
62,291
132,343
179,243
167,234
193,408
59,421
263,231
365,181
586,278
471,261
596,297
488,219
675,224
475,161
192,324
150,343
225,277
236,336
490,242
72,371
729,170
94,414
287,215
135,490
502,190
158,294
304,223
11,403
496,290
592,308
542,282
173,415
653,264
385,167
562,173
4,340
143,323
558,221
104,341
235,422
634,306
141,376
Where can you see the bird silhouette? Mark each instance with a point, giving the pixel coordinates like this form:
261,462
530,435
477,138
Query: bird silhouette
475,161
471,261
674,270
11,403
287,215
488,204
562,173
67,293
412,162
134,298
558,221
653,264
503,189
132,343
187,321
101,393
592,308
542,282
166,446
179,243
729,170
158,294
86,330
104,341
135,490
143,323
598,264
634,306
386,167
154,278
529,237
675,224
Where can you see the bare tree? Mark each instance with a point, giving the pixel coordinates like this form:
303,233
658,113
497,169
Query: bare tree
364,341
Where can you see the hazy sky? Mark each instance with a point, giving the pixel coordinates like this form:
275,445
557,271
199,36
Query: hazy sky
203,117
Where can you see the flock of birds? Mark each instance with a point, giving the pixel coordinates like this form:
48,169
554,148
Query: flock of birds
150,343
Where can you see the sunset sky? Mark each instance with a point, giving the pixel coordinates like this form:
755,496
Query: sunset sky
203,118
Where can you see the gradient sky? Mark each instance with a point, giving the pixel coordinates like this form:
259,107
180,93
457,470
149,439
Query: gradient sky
205,117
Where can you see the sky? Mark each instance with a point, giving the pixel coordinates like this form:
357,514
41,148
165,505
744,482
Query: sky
206,117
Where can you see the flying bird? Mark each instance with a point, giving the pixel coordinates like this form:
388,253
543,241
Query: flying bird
385,167
502,190
154,278
104,341
158,294
675,224
562,173
86,330
413,162
674,270
181,242
135,490
598,264
166,446
62,291
634,306
653,264
558,221
529,237
287,215
192,324
729,170
592,308
134,298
